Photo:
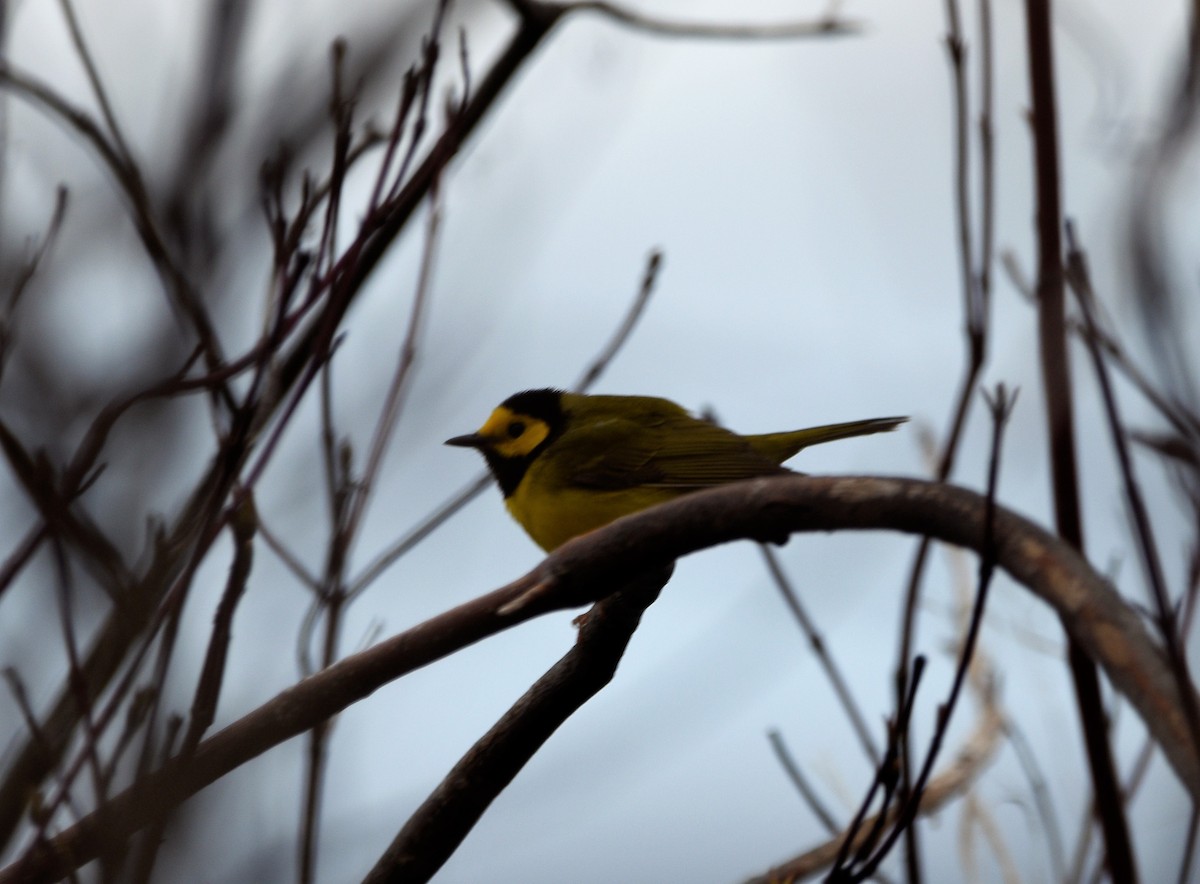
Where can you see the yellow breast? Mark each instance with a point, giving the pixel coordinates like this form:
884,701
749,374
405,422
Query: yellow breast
553,514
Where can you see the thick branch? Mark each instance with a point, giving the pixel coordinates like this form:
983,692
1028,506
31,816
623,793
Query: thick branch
442,821
587,568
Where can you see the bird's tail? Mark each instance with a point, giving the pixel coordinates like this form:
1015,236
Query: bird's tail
780,446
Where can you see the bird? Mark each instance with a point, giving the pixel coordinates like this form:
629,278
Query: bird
568,463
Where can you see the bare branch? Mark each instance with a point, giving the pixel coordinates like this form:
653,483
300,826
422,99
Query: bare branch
792,599
828,26
1042,799
649,278
1165,612
456,502
976,301
587,568
800,781
1060,417
442,821
954,780
212,674
1001,407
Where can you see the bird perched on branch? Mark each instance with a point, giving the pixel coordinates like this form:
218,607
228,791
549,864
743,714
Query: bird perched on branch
568,463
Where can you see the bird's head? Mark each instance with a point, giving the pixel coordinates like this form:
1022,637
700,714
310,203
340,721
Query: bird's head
515,433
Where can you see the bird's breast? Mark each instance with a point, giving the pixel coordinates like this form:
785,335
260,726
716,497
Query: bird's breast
552,515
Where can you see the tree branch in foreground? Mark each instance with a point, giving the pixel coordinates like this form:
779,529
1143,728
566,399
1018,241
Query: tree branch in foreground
588,568
439,825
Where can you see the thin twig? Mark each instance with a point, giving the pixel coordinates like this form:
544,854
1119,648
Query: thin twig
54,503
1001,406
1165,613
623,331
127,177
957,50
863,832
800,781
288,558
38,252
430,55
1043,799
987,163
457,501
977,816
1185,421
975,293
977,750
824,658
93,75
394,400
1060,420
22,555
418,533
1149,246
212,673
76,677
400,124
39,814
830,25
1189,846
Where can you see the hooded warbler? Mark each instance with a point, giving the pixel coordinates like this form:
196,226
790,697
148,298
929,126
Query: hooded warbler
568,463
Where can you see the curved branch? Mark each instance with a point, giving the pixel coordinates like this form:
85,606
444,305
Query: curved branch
588,568
830,24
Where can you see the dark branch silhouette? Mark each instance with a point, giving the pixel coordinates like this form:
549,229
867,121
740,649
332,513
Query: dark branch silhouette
588,568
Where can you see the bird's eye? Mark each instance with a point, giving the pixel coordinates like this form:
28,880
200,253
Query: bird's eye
515,429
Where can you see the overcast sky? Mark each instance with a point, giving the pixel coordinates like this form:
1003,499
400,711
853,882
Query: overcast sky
802,194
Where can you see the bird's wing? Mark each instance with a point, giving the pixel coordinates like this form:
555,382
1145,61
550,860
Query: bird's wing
672,452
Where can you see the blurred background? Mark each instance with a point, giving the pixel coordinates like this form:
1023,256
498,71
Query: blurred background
802,193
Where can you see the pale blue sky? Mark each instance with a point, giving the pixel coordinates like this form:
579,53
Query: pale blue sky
802,194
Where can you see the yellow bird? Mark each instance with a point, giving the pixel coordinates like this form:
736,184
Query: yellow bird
568,463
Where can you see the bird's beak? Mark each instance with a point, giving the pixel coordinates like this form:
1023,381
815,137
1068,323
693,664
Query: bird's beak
471,440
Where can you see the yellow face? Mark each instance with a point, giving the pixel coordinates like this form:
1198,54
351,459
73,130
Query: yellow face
513,435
